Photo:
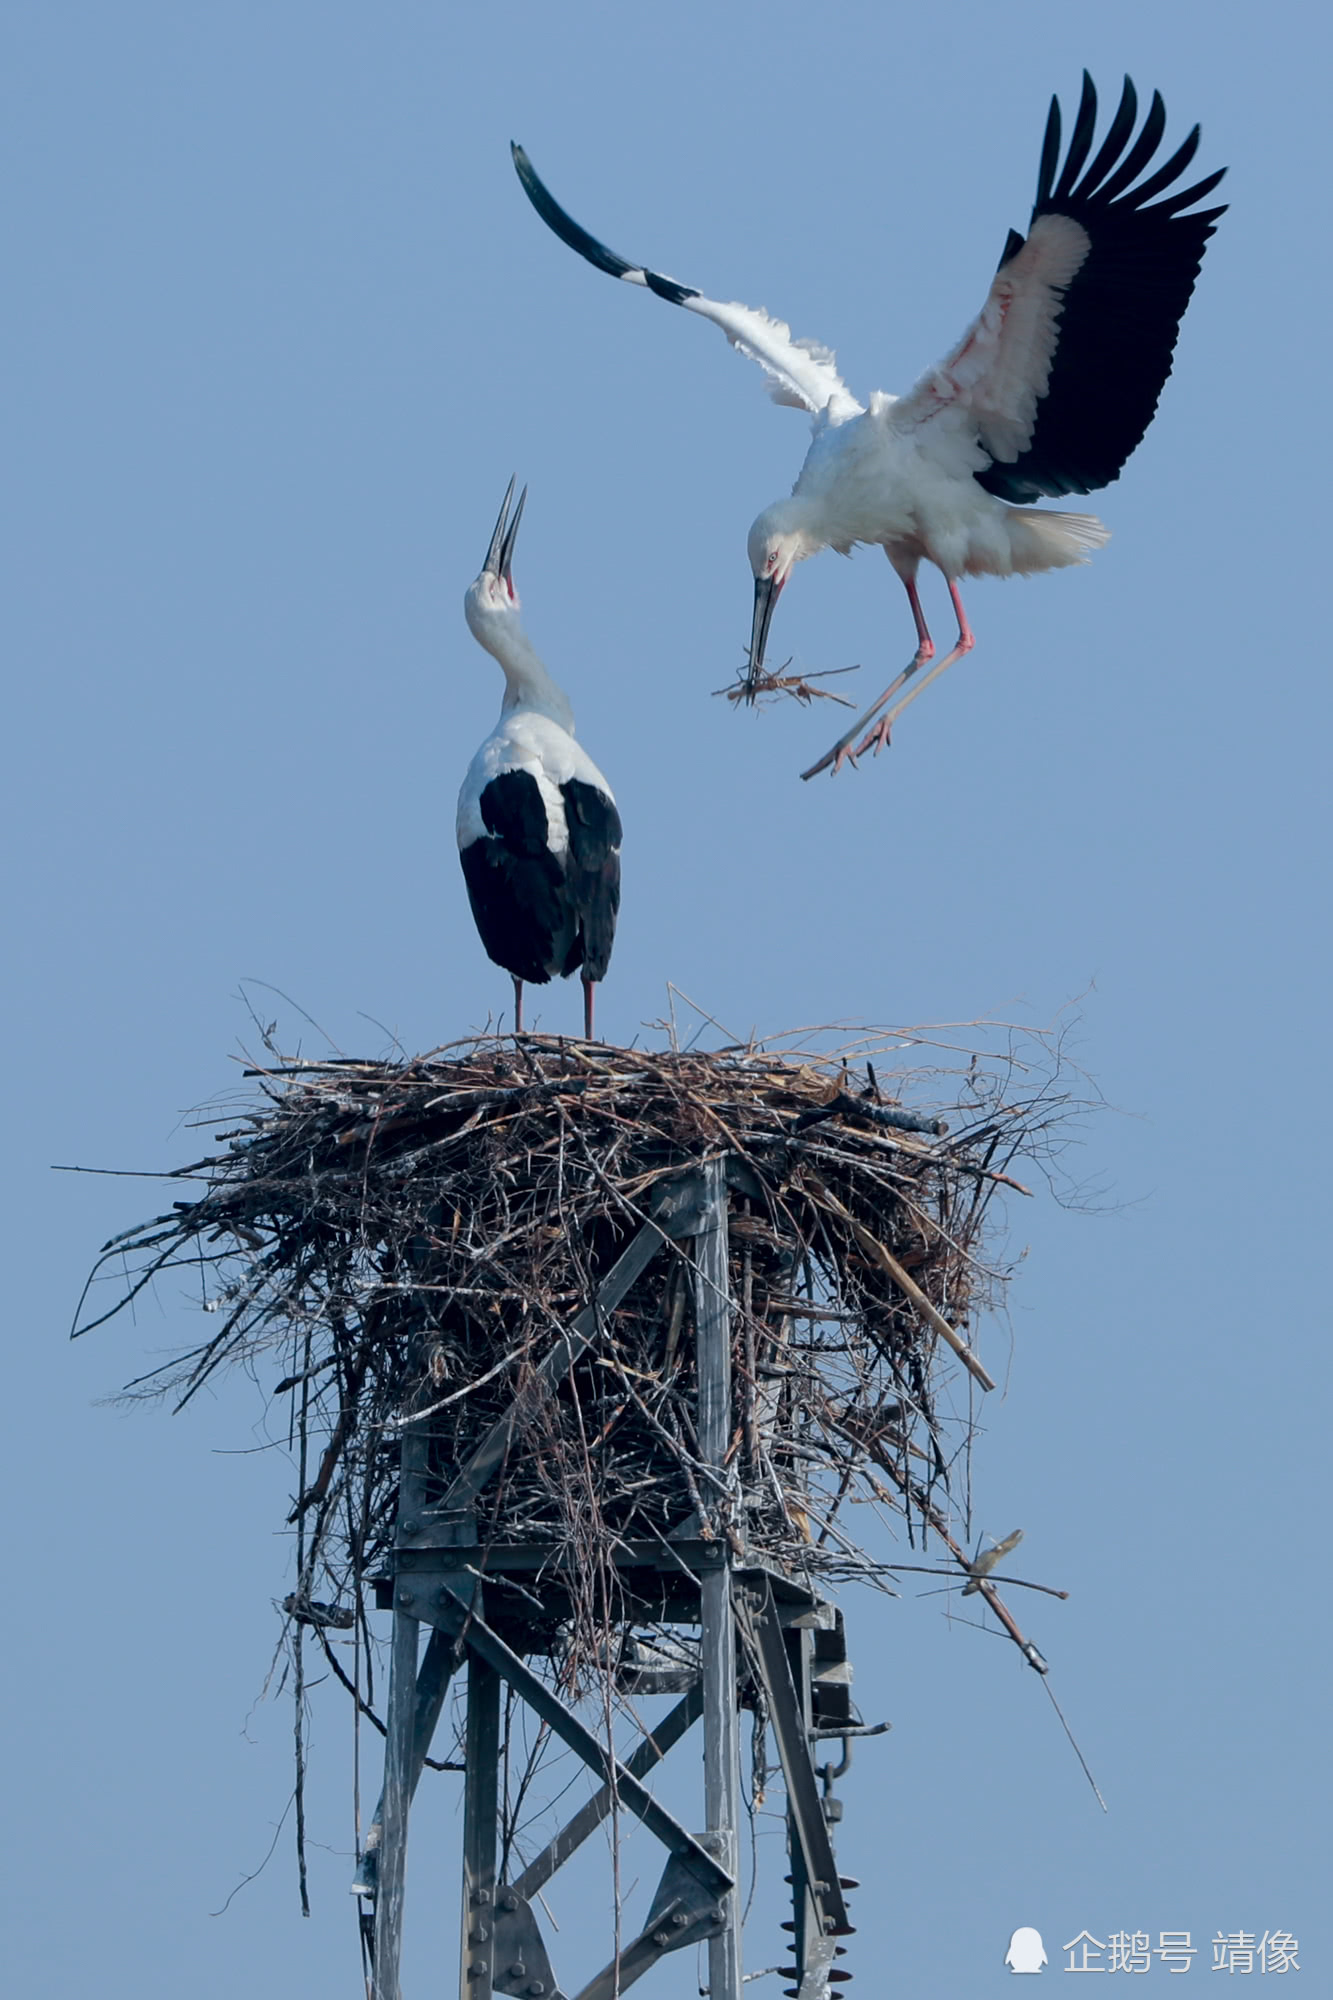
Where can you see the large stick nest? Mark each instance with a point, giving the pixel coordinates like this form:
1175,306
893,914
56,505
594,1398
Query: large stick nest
387,1237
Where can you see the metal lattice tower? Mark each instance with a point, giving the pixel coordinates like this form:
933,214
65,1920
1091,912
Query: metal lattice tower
791,1640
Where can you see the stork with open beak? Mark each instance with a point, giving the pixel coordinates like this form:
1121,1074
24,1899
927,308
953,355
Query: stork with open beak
538,830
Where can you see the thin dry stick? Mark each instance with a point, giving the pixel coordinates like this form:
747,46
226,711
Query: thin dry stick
888,1262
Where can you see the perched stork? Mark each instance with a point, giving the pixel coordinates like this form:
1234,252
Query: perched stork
538,830
1048,392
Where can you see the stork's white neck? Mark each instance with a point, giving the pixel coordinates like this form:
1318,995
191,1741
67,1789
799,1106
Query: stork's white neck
527,683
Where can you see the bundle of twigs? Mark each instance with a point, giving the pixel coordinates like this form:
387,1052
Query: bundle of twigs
388,1237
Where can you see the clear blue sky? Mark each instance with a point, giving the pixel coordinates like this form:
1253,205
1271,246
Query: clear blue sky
279,325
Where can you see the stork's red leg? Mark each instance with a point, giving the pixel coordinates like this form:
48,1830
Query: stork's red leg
925,644
879,735
587,1009
518,1004
925,650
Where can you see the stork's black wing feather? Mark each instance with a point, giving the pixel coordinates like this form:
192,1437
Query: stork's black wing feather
578,238
512,808
518,908
592,874
515,885
1122,311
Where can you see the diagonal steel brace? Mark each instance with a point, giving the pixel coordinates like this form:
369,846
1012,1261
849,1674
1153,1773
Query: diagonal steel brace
447,1609
803,1800
589,1817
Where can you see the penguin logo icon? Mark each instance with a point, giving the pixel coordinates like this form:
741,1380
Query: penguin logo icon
1026,1951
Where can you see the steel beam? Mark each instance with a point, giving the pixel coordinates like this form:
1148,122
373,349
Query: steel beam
712,1319
436,1672
398,1748
476,1978
805,1810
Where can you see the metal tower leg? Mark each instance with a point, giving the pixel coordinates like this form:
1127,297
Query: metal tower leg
806,1905
722,1772
437,1669
398,1787
480,1804
712,1312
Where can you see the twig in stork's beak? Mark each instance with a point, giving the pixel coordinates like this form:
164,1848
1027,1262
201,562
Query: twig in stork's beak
500,554
754,689
766,591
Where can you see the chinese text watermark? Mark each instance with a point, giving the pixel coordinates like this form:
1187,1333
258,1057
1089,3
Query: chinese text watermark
1134,1951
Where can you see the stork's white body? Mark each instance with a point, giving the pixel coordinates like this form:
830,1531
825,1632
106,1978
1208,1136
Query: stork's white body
884,477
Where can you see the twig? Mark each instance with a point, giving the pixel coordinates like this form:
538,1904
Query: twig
750,687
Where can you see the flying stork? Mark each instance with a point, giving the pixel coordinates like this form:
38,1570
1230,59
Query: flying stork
1048,392
538,830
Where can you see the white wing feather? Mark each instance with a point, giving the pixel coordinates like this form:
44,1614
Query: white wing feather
802,374
1001,368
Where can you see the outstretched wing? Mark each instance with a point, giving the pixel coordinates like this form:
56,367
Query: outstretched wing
1059,376
800,373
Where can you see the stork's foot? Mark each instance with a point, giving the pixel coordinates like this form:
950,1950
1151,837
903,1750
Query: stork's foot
878,738
842,751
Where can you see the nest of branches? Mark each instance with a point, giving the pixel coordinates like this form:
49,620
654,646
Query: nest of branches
378,1240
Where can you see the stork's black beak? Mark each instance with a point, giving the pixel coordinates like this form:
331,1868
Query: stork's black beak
511,536
766,592
492,562
500,554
